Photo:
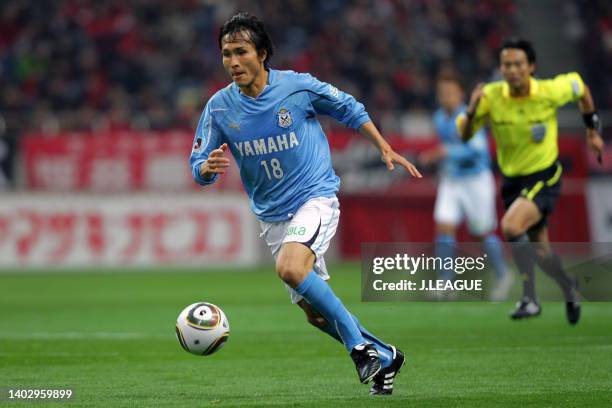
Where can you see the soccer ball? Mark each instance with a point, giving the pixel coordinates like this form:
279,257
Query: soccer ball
202,328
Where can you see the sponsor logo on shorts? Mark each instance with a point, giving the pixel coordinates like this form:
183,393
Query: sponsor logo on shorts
296,230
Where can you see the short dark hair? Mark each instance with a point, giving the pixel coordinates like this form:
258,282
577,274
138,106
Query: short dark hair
450,75
518,43
256,30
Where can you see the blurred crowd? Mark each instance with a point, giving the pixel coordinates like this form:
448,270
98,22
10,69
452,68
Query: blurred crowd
589,27
77,64
152,64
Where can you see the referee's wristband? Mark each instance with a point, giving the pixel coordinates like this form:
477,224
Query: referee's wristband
591,120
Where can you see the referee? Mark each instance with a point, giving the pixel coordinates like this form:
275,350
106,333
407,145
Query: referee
522,114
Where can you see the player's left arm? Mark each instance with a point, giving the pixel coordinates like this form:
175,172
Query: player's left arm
570,87
432,155
387,154
592,122
329,100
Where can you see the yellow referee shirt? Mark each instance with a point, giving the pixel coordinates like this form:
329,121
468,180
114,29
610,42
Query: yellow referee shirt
525,128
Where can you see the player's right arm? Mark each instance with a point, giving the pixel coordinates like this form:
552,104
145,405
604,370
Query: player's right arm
476,114
438,152
207,158
216,163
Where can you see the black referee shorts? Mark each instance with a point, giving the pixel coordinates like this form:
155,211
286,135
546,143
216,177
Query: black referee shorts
542,187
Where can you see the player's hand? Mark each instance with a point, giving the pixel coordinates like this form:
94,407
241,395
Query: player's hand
389,156
595,142
477,93
216,163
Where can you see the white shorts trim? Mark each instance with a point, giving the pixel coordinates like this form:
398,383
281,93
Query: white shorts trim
314,224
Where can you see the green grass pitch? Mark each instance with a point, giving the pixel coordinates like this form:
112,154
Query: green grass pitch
110,337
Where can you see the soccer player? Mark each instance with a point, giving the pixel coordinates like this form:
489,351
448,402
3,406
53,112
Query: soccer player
267,119
522,114
467,187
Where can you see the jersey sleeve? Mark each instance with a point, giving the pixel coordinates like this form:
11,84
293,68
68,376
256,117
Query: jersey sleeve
566,88
207,138
329,100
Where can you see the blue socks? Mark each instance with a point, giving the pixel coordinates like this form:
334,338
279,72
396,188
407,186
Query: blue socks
320,295
492,246
341,325
445,248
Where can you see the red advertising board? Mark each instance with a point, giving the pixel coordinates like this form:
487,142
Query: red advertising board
76,230
118,161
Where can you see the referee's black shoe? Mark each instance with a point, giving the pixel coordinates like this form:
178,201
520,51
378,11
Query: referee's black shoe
367,362
383,381
572,312
526,308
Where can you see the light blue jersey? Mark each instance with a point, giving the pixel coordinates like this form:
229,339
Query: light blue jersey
282,152
463,159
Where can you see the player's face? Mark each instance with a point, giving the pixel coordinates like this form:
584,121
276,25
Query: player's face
449,95
515,67
240,59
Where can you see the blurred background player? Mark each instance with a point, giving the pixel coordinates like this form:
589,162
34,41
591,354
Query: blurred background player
266,118
466,190
522,114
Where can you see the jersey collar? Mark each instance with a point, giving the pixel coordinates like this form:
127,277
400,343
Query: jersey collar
271,76
533,88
